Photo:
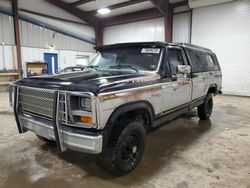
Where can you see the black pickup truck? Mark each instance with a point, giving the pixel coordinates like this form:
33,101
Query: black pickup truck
125,91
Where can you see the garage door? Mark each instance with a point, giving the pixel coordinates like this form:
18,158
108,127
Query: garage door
225,28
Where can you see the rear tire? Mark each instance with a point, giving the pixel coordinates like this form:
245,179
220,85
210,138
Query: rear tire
205,110
125,149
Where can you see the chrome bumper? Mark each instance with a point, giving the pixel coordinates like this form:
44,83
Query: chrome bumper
71,140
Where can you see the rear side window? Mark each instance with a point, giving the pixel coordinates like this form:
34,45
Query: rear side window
216,63
175,59
210,61
201,61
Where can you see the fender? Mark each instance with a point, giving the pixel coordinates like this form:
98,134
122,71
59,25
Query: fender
123,109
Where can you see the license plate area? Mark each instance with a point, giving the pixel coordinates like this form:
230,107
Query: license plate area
41,130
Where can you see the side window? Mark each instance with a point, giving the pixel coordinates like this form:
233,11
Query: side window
198,61
210,62
175,59
216,63
201,61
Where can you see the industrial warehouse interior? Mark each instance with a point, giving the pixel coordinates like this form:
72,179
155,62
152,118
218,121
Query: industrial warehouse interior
124,93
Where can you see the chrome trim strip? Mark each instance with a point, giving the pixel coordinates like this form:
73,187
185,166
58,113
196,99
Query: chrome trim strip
66,108
144,87
132,89
17,105
63,148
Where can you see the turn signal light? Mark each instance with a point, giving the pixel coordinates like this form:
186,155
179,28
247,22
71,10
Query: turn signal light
86,119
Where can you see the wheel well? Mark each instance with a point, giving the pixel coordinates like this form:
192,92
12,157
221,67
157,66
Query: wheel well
141,111
140,114
212,89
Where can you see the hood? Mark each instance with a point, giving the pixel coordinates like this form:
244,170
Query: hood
91,81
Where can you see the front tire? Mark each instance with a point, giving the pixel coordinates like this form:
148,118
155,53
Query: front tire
125,149
205,110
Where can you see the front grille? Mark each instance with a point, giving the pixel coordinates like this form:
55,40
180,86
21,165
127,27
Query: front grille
37,101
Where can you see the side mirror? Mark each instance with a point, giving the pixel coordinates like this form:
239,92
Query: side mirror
183,69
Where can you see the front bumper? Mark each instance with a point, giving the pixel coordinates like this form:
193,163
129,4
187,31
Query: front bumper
69,139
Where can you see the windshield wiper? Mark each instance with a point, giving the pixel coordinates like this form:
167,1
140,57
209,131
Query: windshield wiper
93,67
123,67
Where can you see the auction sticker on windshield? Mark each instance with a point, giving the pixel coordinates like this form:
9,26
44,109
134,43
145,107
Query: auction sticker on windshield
150,50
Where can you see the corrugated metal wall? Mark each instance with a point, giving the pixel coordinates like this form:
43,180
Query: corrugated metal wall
36,36
35,41
6,57
39,37
225,28
182,27
149,30
6,30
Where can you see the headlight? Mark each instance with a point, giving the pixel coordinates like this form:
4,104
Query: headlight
85,103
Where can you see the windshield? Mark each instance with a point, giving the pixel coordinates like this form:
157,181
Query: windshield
133,58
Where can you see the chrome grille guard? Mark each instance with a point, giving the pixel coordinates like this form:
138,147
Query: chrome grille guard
54,107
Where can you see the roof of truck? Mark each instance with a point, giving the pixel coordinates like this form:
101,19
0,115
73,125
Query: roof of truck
117,45
152,44
191,46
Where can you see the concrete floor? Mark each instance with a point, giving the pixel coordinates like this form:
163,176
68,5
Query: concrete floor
184,153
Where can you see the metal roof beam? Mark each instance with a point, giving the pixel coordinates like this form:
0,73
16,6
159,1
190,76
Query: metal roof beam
90,19
180,4
161,5
36,21
52,17
120,5
80,2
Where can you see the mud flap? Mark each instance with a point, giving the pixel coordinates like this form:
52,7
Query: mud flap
56,124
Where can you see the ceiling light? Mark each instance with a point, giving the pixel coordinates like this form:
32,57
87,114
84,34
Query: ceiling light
104,11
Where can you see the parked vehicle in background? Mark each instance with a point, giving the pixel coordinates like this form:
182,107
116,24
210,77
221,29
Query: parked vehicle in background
125,91
71,69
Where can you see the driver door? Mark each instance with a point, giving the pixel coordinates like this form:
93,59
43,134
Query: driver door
177,91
